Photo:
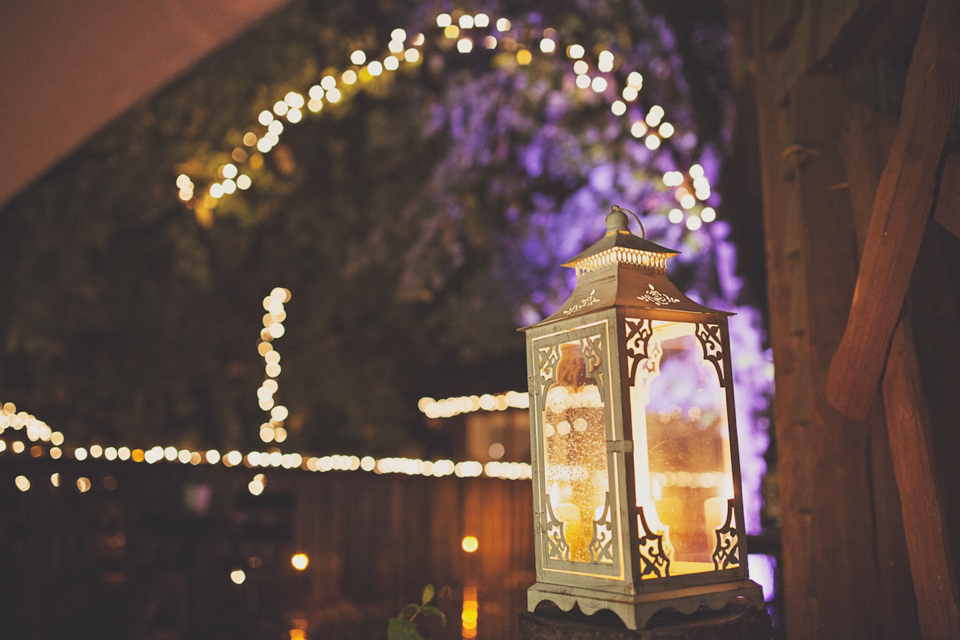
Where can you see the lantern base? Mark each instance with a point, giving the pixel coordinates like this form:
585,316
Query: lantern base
636,610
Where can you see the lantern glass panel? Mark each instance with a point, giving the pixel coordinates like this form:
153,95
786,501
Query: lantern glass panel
575,454
681,453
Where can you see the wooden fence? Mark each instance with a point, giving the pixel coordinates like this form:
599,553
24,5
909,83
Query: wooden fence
148,551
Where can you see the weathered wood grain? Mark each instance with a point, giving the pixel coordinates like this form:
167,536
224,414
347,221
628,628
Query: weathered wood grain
907,422
947,211
901,208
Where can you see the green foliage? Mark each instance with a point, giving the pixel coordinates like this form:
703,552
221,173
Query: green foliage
403,628
413,224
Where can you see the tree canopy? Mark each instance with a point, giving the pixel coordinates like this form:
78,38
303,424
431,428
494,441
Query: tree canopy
417,221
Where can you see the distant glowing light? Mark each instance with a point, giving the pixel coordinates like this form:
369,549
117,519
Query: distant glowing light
23,483
618,107
328,82
481,21
694,223
470,544
583,82
655,115
599,84
294,116
547,45
80,453
580,67
265,118
300,561
464,45
652,142
696,171
237,576
358,57
398,34
575,52
334,95
244,182
708,214
444,20
688,201
638,129
673,178
503,25
466,21
392,63
280,107
349,76
375,68
451,31
605,61
629,94
411,55
84,484
524,57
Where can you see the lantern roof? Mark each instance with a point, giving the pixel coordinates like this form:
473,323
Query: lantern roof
623,270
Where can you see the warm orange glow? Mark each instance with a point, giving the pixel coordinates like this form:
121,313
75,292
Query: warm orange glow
470,614
137,455
470,544
524,57
299,561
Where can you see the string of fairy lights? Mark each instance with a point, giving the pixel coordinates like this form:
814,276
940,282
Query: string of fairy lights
272,430
39,432
464,32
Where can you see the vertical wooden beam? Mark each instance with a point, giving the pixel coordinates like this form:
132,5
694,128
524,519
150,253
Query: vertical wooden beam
905,407
792,441
947,212
900,212
908,422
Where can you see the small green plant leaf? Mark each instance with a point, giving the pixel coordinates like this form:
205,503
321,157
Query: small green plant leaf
428,592
402,629
409,612
429,610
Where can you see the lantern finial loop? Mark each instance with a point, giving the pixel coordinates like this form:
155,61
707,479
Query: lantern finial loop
617,221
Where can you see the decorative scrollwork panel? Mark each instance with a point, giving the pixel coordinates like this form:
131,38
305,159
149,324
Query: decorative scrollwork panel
709,337
601,546
726,554
557,547
654,550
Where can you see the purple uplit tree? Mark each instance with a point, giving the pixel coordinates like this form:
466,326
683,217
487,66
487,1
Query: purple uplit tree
545,158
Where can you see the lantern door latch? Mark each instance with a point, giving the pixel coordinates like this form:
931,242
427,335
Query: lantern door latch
619,446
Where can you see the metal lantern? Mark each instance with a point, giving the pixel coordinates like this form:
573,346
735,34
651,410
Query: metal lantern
636,473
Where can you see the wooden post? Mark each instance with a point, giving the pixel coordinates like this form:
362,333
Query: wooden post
900,211
907,421
947,212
